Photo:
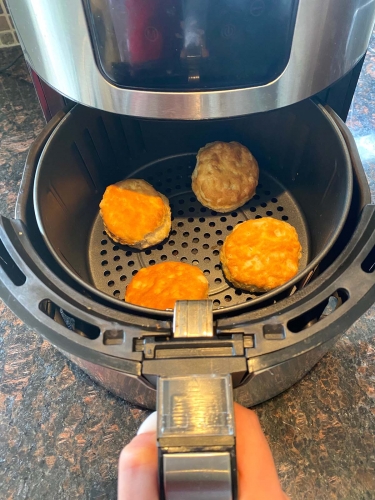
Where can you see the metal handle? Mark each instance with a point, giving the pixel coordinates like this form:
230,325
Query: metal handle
196,426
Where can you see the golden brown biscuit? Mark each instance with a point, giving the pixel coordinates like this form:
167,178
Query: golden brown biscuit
225,176
135,214
159,286
261,254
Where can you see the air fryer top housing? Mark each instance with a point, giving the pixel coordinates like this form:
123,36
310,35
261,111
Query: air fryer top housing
192,59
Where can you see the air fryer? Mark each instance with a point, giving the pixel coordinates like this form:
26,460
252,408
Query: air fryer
135,92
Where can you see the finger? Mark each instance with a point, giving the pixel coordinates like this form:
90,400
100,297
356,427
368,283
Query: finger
257,476
149,424
138,466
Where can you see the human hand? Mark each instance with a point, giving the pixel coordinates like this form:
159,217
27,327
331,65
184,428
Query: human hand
257,476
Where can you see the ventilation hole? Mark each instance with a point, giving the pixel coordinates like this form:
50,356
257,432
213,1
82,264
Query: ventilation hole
195,240
151,262
202,219
368,265
194,251
160,247
104,262
183,259
285,217
185,234
267,193
103,252
171,243
263,205
107,273
193,199
206,272
134,272
119,268
234,214
147,252
116,258
258,216
180,212
173,233
105,234
115,248
203,209
178,186
213,212
123,277
253,209
223,219
195,262
111,283
206,235
197,229
320,311
256,197
215,252
168,190
239,222
180,224
175,252
205,246
217,267
228,298
191,209
207,259
229,228
219,232
212,224
104,242
269,213
184,244
116,293
218,280
163,257
280,209
238,292
220,242
216,302
181,202
248,299
190,219
131,263
274,200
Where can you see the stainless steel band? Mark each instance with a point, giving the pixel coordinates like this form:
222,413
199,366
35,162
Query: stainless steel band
329,38
196,426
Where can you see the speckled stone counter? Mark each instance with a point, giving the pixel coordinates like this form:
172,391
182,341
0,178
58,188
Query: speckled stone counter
61,434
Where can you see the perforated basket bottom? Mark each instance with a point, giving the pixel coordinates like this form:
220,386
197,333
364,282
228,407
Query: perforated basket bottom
197,232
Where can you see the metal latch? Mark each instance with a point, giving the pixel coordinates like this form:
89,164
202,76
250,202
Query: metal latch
193,319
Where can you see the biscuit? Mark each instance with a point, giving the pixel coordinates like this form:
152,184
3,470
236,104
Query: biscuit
261,254
159,286
225,176
135,214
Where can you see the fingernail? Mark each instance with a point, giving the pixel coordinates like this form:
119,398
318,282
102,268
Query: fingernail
148,425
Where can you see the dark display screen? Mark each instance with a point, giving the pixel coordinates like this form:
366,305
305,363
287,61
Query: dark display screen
191,44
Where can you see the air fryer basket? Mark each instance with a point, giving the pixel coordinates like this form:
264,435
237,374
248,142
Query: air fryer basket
306,179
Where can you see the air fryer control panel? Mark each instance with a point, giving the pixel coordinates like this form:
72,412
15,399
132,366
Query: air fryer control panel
191,44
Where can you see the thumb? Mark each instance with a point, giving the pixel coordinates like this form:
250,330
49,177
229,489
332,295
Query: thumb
138,465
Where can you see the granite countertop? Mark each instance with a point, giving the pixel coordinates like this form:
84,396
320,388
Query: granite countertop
61,433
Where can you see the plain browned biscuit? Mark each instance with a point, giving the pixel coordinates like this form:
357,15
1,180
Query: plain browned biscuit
225,176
